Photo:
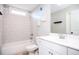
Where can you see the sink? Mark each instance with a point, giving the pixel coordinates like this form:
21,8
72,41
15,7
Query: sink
62,36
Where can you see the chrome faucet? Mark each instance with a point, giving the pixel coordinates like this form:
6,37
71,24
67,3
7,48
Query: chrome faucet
62,36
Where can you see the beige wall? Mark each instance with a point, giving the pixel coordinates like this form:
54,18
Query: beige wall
1,26
0,30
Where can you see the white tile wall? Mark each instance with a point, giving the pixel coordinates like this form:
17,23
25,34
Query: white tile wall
16,27
42,20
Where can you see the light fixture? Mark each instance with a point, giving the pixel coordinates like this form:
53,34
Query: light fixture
18,12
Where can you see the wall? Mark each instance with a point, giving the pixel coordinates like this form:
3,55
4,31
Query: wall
61,27
62,15
41,20
16,27
15,31
1,25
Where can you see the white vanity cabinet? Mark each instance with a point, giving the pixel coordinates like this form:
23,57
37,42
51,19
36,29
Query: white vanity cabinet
49,48
72,52
43,50
53,45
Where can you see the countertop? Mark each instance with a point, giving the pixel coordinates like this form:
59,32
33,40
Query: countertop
70,41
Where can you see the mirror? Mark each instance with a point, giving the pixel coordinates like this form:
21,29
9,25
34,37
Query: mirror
65,18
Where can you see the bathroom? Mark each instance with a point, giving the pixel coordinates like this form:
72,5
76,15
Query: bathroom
39,29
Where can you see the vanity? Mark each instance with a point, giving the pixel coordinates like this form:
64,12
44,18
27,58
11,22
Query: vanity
56,44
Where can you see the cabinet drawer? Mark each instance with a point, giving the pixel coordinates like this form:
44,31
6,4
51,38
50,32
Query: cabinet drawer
58,48
72,52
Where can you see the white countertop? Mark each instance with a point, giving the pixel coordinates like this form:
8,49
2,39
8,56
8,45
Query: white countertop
68,42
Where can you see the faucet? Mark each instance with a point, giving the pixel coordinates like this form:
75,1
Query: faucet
62,36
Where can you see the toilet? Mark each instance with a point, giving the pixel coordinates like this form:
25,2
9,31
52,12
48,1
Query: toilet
31,49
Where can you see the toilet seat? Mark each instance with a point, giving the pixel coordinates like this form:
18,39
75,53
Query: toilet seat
30,48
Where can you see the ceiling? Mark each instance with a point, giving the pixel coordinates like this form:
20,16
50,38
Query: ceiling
57,7
28,7
31,7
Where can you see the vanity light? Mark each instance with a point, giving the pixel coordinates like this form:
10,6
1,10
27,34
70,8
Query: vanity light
57,22
18,12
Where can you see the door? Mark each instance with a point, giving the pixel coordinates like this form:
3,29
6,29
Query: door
74,15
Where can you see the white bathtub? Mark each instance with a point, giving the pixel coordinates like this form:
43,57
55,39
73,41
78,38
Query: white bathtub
14,47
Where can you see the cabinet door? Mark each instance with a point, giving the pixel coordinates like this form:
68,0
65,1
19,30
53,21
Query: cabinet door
58,49
55,49
45,51
57,53
72,52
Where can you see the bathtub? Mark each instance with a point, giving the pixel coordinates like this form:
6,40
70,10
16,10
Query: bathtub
14,47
